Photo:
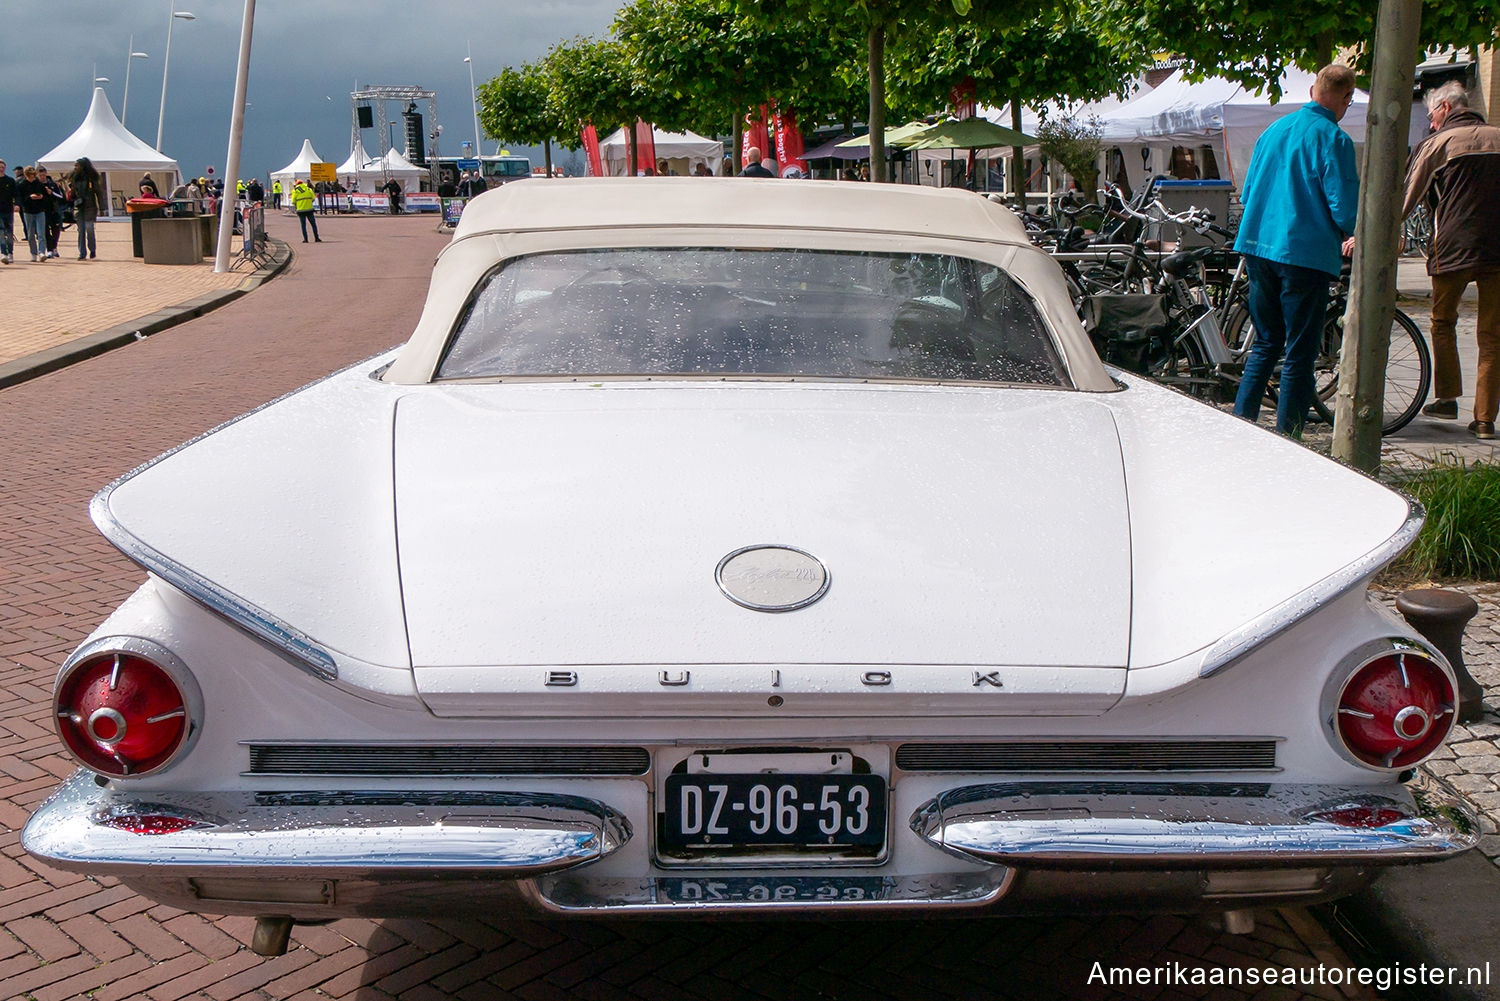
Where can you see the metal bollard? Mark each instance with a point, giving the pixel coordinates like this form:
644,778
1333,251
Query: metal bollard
1440,615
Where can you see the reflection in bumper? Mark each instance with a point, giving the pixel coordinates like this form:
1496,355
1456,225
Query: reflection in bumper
1026,848
1191,825
320,835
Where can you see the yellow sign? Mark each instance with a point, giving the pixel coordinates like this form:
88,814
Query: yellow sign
323,172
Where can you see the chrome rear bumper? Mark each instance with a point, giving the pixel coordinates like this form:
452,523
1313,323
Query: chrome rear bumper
320,835
1191,825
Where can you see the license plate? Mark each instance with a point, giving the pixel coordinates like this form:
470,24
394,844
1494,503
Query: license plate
750,888
767,808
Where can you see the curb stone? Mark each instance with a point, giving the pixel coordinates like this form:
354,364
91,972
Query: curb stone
63,355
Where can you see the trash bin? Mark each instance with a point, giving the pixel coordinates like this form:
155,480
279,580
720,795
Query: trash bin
208,232
1179,196
171,241
139,209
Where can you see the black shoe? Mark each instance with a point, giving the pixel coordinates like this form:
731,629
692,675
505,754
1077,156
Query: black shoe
317,239
304,239
1482,429
1445,409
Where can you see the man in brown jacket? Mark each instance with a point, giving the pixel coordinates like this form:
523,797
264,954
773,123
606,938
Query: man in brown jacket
1456,171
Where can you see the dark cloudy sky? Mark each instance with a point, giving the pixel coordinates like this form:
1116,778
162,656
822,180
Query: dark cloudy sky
305,59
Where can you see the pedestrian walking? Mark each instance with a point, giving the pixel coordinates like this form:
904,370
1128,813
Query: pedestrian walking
304,201
392,189
7,216
1300,196
1456,172
86,191
276,193
58,206
33,196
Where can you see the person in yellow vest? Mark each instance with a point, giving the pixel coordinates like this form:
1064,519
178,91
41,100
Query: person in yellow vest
239,191
304,200
276,194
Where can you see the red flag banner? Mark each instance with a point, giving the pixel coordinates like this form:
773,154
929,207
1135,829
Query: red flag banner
964,98
755,135
788,142
645,147
591,149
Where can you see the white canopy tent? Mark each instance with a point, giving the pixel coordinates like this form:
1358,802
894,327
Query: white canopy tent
683,151
1221,114
115,152
300,168
394,165
357,162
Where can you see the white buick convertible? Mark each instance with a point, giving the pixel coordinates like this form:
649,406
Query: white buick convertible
745,546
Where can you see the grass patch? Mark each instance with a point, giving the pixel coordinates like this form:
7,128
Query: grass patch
1461,537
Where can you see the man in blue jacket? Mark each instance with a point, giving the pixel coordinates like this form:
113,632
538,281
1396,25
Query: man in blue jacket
1300,198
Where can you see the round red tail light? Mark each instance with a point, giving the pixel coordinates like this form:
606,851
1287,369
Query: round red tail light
120,712
1395,710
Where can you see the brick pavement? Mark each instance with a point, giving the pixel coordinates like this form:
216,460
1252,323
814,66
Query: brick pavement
50,303
67,936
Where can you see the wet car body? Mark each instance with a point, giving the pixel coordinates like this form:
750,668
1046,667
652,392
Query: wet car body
746,546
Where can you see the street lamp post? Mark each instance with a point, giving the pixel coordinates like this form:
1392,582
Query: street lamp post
474,95
134,55
165,61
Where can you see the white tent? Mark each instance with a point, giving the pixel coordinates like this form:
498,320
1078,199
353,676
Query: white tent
358,162
115,152
1221,114
300,168
394,165
683,151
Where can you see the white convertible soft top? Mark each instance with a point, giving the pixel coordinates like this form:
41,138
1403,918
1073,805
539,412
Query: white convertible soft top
740,203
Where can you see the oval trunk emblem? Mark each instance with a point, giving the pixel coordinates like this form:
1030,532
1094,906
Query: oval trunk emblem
772,578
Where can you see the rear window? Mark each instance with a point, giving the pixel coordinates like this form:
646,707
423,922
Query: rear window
752,313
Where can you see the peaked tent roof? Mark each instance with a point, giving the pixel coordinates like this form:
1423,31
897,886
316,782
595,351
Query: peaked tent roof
302,165
358,159
107,144
395,163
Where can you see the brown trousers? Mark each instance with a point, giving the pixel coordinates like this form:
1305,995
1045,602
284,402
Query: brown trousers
1447,378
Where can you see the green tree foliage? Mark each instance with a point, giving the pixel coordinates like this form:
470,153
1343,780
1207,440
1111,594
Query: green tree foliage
709,64
1253,43
1075,144
875,19
518,105
594,82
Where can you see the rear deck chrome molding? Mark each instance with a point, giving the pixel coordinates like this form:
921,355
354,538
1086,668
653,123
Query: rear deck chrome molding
302,758
323,835
1234,645
1092,756
1188,825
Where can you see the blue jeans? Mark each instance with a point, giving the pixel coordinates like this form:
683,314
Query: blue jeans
87,242
1288,305
7,236
36,232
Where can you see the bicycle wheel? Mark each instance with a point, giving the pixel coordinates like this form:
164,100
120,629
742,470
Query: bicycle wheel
1239,335
1408,373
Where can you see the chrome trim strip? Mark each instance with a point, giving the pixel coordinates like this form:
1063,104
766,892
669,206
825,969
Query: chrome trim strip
1187,825
1238,642
323,835
317,661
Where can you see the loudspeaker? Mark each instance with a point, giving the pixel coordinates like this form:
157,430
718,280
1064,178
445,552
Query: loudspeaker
366,116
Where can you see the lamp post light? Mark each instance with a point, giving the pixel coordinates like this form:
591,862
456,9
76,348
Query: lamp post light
134,55
474,95
165,61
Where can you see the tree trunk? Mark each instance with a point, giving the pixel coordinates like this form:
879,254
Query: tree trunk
1017,158
547,157
1372,297
877,102
630,168
1324,44
739,140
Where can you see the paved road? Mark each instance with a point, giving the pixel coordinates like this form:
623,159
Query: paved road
68,433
